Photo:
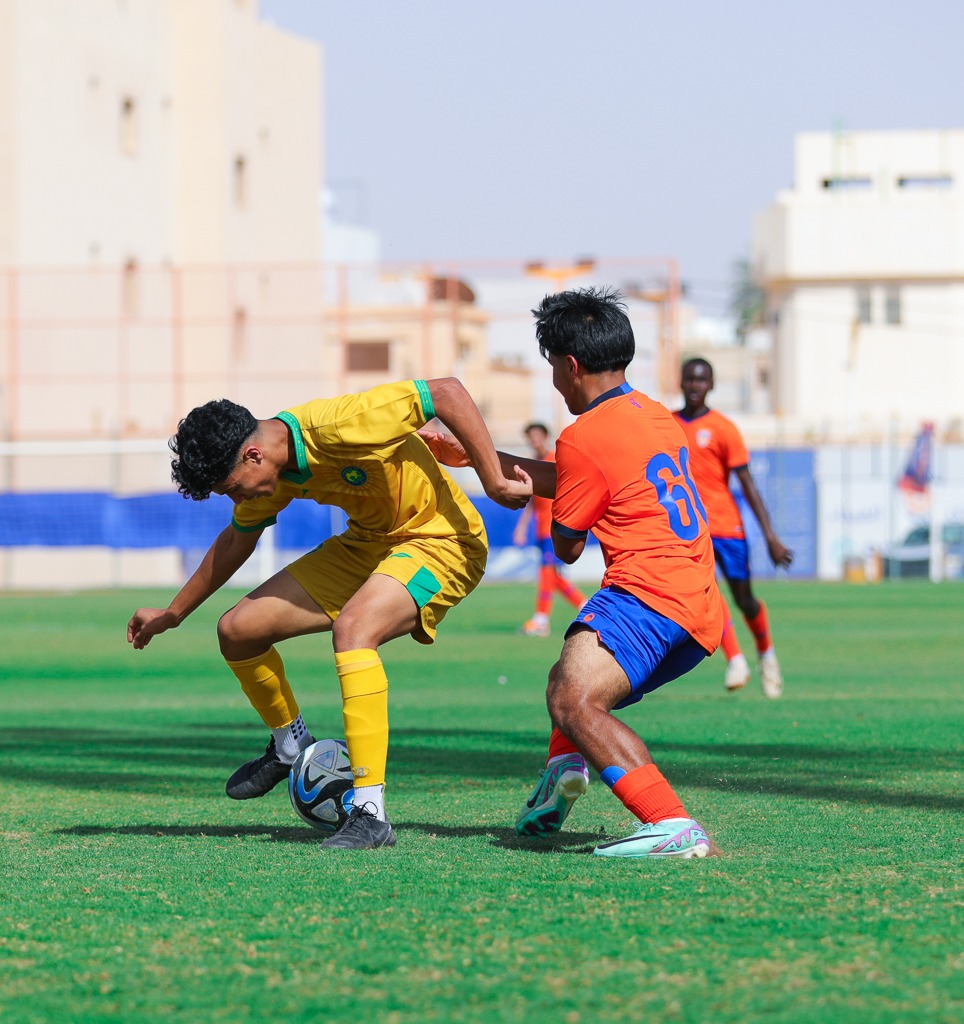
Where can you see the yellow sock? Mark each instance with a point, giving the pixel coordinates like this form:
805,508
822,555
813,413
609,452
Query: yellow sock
266,687
364,695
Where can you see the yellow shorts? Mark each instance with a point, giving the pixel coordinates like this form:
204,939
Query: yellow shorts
437,572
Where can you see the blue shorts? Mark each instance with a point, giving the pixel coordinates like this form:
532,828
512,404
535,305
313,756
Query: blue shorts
548,553
649,648
733,557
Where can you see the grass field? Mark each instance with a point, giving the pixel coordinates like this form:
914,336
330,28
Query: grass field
132,890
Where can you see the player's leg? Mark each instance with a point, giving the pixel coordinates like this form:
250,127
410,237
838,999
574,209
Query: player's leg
278,609
409,592
569,593
629,651
732,560
737,667
563,780
538,625
756,616
619,754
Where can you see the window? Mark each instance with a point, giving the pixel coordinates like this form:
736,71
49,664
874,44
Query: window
128,127
926,181
240,183
853,184
892,306
368,356
864,308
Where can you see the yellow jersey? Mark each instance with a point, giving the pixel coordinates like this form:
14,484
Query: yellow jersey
360,453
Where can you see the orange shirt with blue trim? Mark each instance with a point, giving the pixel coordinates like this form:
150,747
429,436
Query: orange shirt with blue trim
623,474
716,448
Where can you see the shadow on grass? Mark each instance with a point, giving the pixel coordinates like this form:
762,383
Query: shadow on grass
200,757
304,836
504,838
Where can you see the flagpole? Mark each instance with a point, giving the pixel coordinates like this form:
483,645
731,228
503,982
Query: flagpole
936,518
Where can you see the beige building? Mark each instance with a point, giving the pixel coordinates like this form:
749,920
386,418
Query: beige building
862,262
161,244
155,159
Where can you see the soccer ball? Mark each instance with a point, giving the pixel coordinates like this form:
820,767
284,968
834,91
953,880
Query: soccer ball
321,785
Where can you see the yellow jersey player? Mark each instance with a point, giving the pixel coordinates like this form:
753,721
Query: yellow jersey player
414,547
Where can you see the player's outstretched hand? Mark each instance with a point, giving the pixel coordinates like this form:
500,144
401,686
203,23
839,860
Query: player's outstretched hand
782,556
447,449
514,493
146,623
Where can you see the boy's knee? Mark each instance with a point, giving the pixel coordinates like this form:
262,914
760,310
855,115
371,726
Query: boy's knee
231,631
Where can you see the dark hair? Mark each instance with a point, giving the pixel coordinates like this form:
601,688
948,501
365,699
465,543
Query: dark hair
590,324
208,442
696,361
536,426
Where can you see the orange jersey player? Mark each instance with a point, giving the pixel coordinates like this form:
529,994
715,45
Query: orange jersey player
716,450
622,472
551,571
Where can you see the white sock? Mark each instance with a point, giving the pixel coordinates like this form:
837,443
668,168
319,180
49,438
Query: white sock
540,619
374,796
291,739
737,659
768,655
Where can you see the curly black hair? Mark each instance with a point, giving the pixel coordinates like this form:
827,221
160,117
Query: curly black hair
588,323
208,442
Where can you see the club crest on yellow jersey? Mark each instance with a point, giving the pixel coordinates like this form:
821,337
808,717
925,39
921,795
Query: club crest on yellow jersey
354,475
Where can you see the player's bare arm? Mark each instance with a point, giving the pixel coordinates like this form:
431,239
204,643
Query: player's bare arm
567,549
449,452
780,554
230,550
456,409
542,474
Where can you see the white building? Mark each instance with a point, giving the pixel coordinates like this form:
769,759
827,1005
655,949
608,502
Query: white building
862,263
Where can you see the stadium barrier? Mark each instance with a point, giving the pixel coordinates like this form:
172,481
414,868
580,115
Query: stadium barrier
104,514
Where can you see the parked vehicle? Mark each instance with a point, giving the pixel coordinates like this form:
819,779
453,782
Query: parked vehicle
911,557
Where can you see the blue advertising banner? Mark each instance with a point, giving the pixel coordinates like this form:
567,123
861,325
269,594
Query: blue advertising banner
783,476
785,479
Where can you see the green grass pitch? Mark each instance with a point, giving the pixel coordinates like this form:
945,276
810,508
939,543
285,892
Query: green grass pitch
133,890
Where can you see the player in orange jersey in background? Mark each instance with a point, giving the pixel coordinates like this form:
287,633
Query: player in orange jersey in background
551,577
717,449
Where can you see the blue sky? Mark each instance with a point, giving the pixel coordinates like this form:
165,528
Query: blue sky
529,129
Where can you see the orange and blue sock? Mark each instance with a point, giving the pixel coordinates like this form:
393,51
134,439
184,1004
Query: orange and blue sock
644,792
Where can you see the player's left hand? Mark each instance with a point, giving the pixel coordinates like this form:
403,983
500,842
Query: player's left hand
447,449
781,556
513,493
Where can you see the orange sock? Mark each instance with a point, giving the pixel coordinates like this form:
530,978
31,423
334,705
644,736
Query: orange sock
560,744
647,795
544,594
568,591
760,628
730,643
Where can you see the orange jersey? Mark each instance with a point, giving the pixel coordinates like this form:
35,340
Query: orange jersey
623,473
716,447
542,507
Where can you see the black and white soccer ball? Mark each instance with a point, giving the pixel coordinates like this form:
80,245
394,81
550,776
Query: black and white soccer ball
321,785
